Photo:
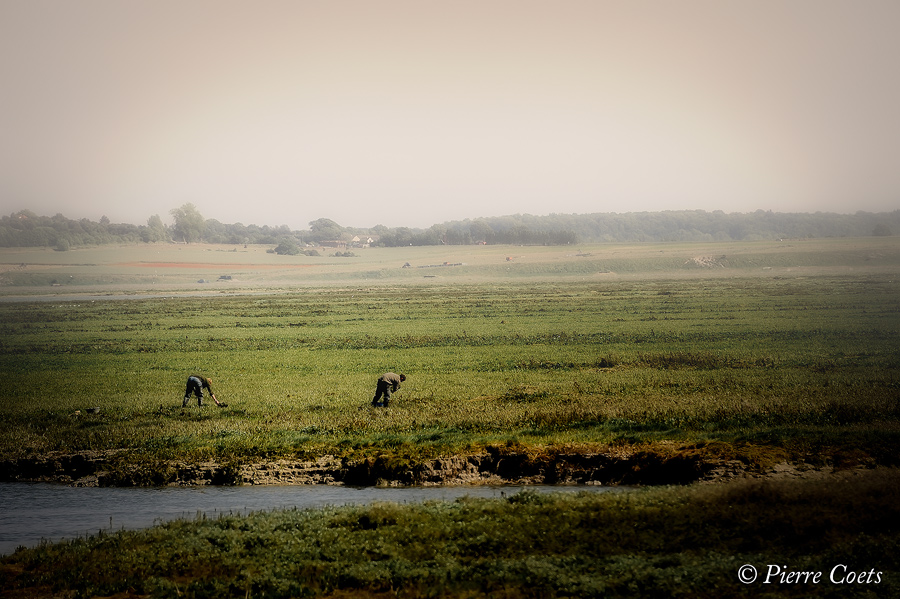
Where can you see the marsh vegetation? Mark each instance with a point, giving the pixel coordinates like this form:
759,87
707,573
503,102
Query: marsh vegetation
805,366
660,542
759,353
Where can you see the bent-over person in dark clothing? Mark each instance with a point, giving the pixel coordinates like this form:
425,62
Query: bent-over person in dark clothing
387,383
195,385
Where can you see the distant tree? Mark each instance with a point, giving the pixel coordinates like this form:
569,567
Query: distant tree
882,230
481,231
188,223
214,231
155,230
287,248
325,229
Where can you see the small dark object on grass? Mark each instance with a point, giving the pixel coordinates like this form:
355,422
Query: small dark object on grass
93,410
222,404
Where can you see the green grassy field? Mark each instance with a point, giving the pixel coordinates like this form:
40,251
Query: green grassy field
765,352
805,363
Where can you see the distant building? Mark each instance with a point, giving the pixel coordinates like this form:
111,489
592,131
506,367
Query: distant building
361,242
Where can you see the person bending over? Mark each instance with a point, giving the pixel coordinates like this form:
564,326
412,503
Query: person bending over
387,383
195,385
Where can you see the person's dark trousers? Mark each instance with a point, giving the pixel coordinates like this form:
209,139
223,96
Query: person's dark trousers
194,386
382,390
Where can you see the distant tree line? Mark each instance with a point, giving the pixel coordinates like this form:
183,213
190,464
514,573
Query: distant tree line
692,225
26,229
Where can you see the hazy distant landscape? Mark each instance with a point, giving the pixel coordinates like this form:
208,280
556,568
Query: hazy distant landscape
226,268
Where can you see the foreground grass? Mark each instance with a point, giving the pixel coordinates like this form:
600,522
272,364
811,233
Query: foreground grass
660,542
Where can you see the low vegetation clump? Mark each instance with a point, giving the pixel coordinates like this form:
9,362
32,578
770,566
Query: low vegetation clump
660,542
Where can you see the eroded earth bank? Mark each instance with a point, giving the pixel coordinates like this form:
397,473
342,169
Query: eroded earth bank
493,466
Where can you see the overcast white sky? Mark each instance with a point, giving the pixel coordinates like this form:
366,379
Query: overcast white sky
410,113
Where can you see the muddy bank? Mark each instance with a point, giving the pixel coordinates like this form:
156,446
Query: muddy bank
493,466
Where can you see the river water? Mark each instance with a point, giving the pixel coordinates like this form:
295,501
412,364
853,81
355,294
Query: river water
34,512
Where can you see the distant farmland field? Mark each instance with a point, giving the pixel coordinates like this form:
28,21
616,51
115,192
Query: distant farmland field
168,267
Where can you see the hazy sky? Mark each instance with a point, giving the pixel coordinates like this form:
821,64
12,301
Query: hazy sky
414,113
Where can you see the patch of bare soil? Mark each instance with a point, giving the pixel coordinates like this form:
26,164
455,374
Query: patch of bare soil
708,261
234,266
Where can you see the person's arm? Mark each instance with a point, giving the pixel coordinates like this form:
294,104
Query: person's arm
209,388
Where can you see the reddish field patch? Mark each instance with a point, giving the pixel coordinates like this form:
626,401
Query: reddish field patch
209,265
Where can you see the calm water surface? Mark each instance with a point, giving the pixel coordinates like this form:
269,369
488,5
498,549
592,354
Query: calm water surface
32,512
